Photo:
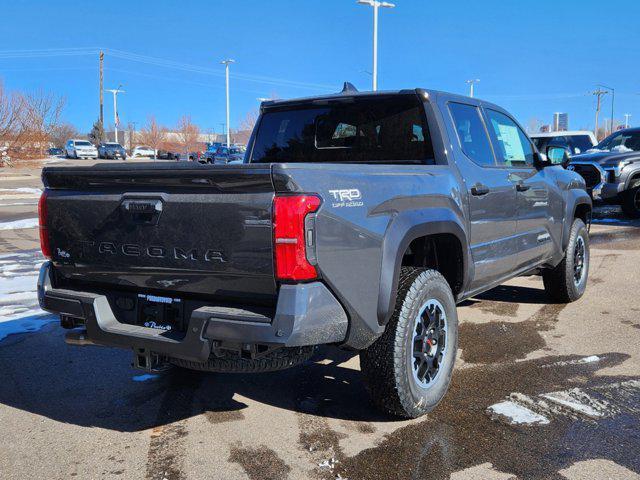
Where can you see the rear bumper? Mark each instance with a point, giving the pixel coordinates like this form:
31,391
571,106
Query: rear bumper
306,314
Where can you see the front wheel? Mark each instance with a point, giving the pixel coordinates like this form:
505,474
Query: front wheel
631,201
408,369
568,280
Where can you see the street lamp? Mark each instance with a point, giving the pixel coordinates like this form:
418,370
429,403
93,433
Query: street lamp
471,83
376,4
116,120
226,76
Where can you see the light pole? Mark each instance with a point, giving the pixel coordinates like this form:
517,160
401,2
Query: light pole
376,4
471,83
626,120
226,76
115,92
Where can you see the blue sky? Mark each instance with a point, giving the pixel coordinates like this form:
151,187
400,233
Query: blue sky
533,57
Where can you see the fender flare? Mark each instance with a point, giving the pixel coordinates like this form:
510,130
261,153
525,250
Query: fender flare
406,227
575,198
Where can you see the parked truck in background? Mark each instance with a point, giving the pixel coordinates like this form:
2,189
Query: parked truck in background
358,220
611,170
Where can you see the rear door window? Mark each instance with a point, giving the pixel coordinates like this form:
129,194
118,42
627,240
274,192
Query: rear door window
510,143
471,133
367,129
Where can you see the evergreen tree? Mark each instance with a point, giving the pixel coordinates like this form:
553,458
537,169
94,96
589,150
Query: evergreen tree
97,135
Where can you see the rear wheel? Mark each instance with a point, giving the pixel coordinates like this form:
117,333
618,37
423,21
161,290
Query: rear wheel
568,280
232,362
631,201
408,369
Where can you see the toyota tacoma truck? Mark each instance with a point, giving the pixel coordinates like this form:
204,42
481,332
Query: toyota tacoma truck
357,219
611,170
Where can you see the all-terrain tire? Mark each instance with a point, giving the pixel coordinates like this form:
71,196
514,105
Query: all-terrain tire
560,282
631,201
387,365
232,362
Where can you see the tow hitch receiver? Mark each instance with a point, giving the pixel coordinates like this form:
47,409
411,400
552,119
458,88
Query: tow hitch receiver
144,359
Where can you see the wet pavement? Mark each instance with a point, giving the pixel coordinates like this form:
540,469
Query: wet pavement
572,371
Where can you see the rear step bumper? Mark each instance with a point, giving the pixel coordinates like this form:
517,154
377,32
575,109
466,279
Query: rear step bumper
306,314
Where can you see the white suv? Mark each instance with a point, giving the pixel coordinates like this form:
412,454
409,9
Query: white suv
143,151
80,149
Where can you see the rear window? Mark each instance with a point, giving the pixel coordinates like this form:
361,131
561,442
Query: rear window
379,129
83,143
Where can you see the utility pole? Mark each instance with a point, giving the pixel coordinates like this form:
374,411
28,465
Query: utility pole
116,120
626,120
613,96
471,84
101,88
226,76
598,93
376,4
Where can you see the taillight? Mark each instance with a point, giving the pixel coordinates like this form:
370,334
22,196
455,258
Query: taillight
289,214
42,221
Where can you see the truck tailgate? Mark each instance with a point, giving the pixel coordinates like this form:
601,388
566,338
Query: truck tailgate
193,230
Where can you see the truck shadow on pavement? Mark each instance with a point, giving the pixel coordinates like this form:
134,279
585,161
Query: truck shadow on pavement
95,387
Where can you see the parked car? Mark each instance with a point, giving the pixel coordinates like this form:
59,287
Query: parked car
209,154
112,150
232,154
576,141
55,151
360,220
75,148
142,151
167,155
611,170
193,157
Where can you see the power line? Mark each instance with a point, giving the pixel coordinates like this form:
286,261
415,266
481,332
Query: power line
159,62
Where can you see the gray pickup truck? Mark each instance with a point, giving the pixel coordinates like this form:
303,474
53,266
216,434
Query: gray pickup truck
358,220
611,170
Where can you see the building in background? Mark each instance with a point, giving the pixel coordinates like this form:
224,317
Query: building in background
545,128
560,122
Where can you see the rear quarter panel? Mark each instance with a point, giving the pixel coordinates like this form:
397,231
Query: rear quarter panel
354,231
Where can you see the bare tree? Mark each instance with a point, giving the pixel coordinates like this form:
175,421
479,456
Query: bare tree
249,121
61,133
12,116
153,135
42,115
188,133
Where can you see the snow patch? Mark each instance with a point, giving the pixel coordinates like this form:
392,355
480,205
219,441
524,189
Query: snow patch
24,324
517,414
34,191
19,224
580,402
579,361
144,377
17,203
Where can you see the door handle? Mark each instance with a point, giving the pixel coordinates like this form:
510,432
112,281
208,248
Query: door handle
479,189
521,187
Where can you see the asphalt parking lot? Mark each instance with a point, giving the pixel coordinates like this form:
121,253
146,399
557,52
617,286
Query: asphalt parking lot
541,391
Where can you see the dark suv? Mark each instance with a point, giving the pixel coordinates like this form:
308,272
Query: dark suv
358,220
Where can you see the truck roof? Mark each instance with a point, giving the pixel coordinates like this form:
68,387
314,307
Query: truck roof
426,93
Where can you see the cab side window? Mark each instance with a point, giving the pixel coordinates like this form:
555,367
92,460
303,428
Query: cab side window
512,146
472,134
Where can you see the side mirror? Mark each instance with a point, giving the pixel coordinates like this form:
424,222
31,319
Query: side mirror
557,155
540,160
